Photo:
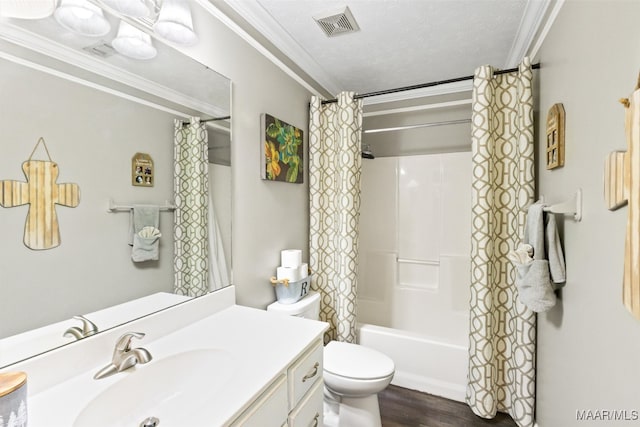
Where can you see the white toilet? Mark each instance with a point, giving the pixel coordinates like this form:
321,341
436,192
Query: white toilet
353,374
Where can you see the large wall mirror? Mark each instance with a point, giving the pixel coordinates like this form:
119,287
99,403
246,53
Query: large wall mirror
95,109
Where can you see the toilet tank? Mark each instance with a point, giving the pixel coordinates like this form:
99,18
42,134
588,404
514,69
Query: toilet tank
308,307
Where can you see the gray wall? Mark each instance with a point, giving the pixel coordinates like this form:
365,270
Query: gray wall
588,345
92,136
93,261
267,216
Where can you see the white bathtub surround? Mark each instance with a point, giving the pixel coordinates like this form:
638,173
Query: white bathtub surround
502,336
334,193
191,188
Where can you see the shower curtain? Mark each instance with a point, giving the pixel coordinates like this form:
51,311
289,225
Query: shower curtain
191,187
218,273
335,132
502,337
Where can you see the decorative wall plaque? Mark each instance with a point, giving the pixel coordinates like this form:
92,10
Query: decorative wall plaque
41,192
555,136
142,170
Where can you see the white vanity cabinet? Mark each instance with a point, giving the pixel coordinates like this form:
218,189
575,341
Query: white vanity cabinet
294,399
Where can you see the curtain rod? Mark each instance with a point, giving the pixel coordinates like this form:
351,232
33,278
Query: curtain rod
215,119
422,125
424,85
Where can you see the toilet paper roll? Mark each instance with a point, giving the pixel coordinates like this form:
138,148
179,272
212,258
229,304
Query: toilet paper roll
291,273
291,258
304,270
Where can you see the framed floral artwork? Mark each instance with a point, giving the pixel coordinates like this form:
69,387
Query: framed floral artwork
282,151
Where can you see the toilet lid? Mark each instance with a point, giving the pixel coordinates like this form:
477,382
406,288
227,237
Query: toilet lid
355,361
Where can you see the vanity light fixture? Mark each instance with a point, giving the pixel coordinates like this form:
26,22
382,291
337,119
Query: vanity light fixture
132,8
82,17
169,19
27,9
133,43
175,23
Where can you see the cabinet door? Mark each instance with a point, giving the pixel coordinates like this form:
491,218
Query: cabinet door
269,410
303,374
309,411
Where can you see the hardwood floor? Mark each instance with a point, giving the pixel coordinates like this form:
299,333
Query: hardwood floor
400,407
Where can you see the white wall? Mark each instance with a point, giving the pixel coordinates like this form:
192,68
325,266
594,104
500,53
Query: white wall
92,136
588,345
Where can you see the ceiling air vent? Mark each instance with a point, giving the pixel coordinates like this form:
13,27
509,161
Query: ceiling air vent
101,49
338,23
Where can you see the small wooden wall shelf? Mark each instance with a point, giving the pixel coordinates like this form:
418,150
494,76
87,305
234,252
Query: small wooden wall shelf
555,136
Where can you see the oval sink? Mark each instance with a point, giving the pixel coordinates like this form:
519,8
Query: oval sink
168,389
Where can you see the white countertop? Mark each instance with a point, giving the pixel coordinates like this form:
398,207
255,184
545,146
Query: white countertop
261,344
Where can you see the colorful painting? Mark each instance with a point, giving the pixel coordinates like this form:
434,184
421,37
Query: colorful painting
282,151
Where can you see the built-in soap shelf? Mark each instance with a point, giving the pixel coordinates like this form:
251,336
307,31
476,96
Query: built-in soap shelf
572,206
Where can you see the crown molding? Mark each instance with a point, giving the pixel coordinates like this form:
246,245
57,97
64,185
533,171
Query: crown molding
551,18
45,46
240,32
532,19
69,77
271,29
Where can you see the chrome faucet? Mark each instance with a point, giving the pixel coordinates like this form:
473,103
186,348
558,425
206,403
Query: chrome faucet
88,328
124,356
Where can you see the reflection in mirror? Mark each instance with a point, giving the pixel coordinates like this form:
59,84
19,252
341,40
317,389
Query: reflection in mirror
94,118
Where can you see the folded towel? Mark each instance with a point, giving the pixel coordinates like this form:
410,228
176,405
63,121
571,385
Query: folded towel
144,233
554,249
143,216
532,276
145,245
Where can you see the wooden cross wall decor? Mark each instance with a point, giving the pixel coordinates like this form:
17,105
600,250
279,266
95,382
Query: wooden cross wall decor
622,186
42,194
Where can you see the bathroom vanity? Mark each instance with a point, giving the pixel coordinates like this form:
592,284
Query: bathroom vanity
214,364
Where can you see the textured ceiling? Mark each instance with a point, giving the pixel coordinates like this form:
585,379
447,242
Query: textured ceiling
400,42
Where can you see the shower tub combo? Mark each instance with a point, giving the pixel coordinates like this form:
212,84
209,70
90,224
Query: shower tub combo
414,273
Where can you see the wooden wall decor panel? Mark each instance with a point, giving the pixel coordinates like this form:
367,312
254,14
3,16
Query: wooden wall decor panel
622,186
41,192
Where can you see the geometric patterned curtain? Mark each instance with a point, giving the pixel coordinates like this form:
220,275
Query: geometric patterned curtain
335,133
191,188
502,340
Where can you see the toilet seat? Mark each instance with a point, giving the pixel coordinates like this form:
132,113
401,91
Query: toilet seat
356,362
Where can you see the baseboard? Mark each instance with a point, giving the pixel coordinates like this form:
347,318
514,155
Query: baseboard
429,385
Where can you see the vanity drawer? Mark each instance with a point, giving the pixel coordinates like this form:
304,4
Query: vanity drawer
309,412
303,374
268,410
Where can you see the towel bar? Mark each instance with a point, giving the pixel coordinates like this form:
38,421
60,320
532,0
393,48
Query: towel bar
118,207
573,206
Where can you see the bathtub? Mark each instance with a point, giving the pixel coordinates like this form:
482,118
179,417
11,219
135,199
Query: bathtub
423,363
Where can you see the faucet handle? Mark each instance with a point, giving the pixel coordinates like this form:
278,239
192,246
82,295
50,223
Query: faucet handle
88,327
124,342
